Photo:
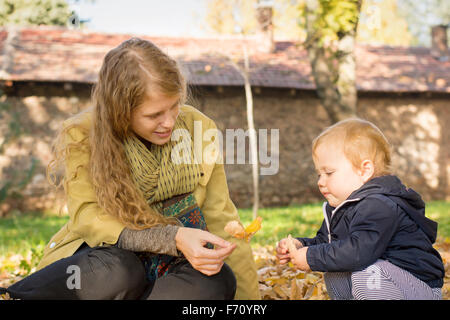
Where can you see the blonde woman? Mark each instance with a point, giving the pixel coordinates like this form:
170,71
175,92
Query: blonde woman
142,226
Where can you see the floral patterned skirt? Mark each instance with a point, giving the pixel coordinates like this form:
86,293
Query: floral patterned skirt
185,208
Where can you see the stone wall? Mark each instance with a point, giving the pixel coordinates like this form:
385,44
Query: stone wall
415,125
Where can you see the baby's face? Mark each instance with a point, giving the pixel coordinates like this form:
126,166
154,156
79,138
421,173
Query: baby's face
337,176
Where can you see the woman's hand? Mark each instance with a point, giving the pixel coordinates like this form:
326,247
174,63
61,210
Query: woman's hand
282,254
191,243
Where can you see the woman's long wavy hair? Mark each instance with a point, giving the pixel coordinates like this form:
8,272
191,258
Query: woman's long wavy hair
130,72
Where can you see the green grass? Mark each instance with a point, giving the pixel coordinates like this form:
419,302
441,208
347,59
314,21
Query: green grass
439,211
20,233
277,223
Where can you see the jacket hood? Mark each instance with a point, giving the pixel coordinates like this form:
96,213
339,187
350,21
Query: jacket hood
408,199
390,186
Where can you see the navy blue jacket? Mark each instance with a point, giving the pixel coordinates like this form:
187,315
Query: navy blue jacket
381,220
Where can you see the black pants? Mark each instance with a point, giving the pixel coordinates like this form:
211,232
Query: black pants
105,273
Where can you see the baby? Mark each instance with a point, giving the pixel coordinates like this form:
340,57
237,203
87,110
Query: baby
375,241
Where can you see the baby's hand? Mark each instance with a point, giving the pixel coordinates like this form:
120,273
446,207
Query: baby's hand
282,250
299,259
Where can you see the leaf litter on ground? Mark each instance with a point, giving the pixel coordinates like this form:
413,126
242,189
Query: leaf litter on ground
276,282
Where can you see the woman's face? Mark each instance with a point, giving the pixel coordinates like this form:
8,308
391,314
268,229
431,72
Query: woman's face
155,118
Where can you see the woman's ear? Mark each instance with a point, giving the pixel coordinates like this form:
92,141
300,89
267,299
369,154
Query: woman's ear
367,170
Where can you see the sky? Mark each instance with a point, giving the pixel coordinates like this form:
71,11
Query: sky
150,17
184,18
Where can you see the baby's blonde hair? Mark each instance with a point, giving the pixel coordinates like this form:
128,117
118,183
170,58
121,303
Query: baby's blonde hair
361,140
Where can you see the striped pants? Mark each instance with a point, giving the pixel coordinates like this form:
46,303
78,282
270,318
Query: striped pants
380,281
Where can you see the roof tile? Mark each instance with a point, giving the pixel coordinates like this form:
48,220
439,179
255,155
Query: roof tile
57,54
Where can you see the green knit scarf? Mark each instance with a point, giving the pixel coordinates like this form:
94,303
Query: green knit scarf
154,172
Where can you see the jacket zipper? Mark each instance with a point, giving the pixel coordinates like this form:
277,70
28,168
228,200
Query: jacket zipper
324,211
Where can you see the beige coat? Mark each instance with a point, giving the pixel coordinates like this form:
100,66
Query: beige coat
88,223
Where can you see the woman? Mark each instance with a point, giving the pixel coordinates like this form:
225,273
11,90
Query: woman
143,224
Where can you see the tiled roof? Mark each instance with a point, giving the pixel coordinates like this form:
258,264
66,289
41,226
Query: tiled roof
55,54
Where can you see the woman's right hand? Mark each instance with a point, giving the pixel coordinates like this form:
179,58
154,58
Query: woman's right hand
191,243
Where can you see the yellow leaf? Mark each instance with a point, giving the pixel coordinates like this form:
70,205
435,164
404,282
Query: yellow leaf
312,277
275,281
254,226
296,290
235,229
310,292
279,291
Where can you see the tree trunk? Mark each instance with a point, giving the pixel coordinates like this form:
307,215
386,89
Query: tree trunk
253,140
333,72
252,133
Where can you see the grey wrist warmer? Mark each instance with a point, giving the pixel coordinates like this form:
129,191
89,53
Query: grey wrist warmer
158,239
